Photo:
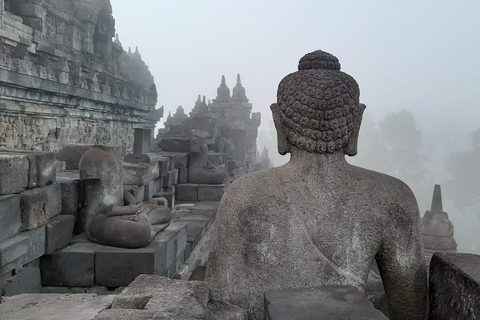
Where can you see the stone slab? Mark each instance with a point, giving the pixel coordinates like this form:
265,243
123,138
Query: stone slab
140,173
54,306
195,231
36,244
210,192
175,240
13,248
345,303
116,267
26,280
39,204
10,220
182,175
59,232
181,144
13,173
173,299
186,192
454,286
70,195
72,266
42,166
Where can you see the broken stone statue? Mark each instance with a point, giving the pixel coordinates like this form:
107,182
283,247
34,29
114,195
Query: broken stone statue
113,216
317,221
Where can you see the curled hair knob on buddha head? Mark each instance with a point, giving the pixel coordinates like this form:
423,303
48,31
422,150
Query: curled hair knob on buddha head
318,107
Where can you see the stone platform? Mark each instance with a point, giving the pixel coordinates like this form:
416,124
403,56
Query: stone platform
86,264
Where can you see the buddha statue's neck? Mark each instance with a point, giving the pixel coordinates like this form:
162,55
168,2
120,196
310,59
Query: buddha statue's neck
330,162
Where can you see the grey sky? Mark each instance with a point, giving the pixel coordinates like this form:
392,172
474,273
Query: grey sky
418,55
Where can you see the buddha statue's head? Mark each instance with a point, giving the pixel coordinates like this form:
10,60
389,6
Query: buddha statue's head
318,108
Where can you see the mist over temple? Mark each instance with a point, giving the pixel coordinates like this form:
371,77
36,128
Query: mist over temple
280,193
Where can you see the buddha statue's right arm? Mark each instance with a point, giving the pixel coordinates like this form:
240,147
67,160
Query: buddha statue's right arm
401,260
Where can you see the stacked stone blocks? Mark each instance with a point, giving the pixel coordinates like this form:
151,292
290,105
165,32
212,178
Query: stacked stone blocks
31,223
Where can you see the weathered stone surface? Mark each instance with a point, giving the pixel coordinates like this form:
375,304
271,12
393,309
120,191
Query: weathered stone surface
39,204
154,293
36,244
9,216
26,280
183,175
59,232
319,303
317,221
53,200
140,174
128,314
116,267
186,192
41,168
454,286
70,193
83,306
13,173
181,144
175,240
13,248
72,266
210,192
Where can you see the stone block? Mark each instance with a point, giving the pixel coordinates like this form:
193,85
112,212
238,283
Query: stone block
195,231
186,192
41,166
151,189
69,193
145,158
39,204
13,173
319,303
175,240
154,293
36,245
26,280
59,232
13,248
54,306
169,194
174,176
53,200
169,180
454,286
216,158
72,153
140,173
10,220
183,175
137,191
181,144
72,266
116,267
210,192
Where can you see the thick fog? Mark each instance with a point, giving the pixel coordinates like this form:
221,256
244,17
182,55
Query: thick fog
416,64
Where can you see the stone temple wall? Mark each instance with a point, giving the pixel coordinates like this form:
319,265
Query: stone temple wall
61,78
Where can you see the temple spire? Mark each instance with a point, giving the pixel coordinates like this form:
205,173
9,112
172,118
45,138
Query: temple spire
437,199
223,93
239,91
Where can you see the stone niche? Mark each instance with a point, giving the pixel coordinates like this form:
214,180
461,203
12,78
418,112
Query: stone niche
62,77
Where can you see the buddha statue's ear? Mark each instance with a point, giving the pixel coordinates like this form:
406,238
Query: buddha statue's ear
351,148
283,146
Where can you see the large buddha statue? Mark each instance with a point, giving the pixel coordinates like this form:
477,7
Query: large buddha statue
113,216
316,221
